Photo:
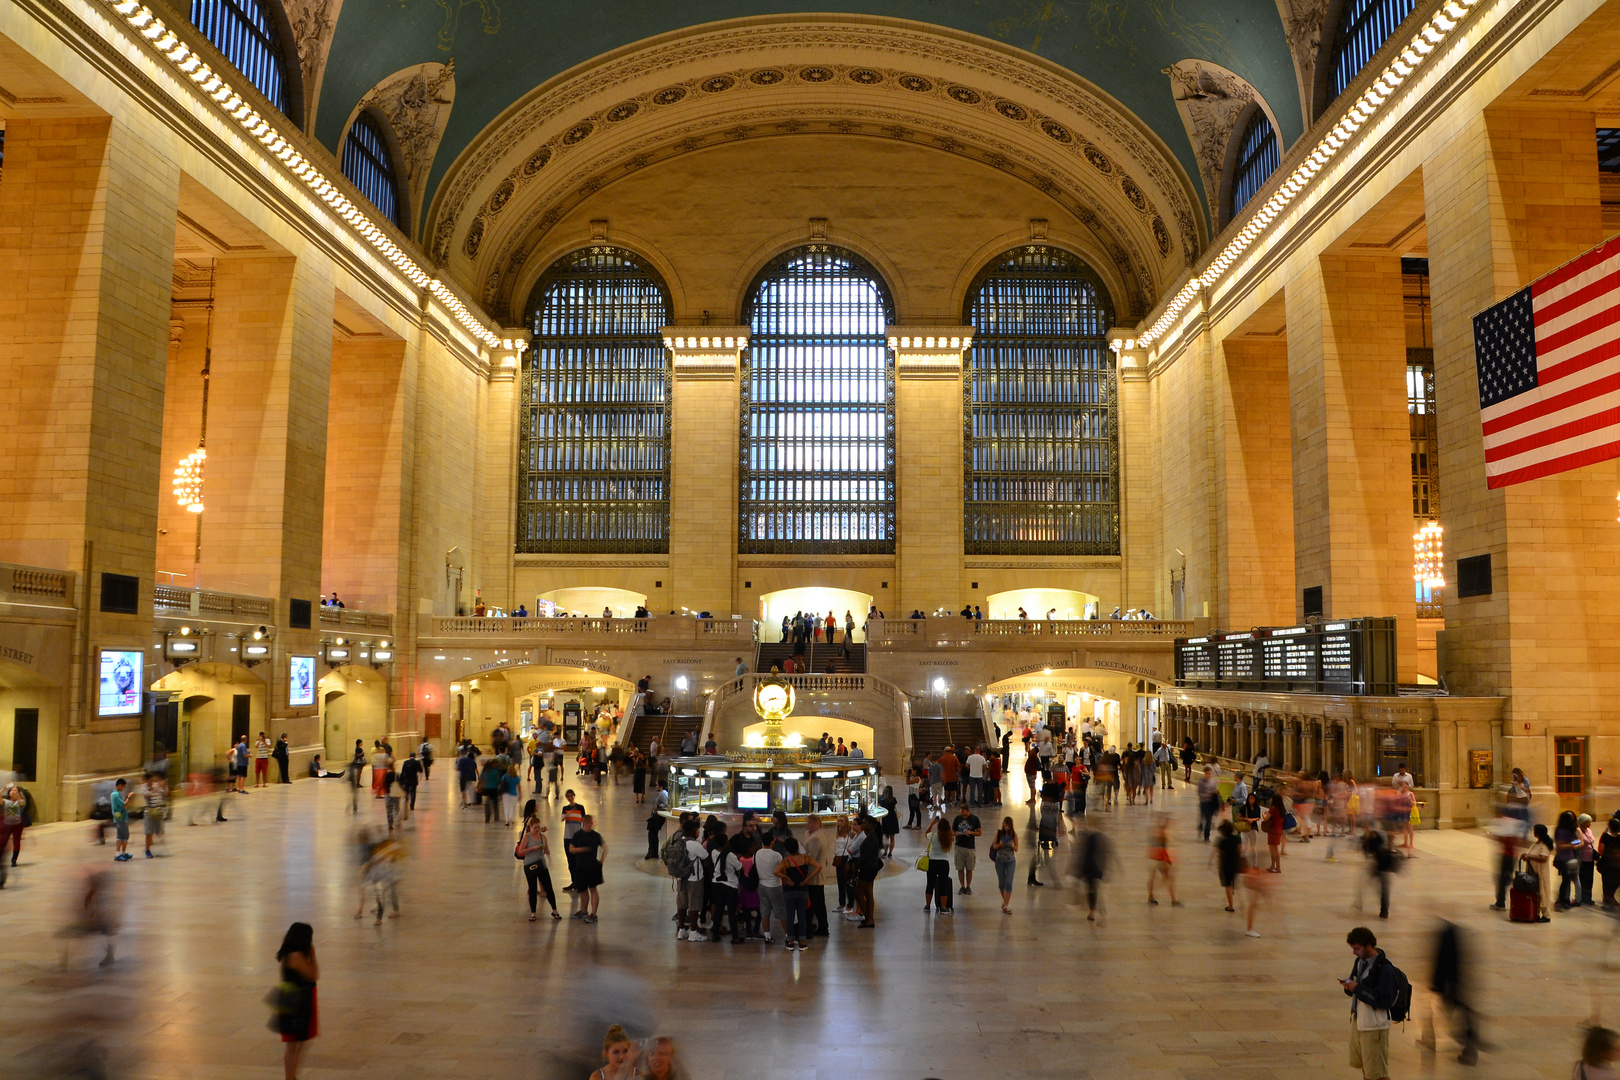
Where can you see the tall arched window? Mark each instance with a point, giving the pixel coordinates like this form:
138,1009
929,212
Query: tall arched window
818,408
245,32
1042,469
1364,26
593,451
368,163
1257,158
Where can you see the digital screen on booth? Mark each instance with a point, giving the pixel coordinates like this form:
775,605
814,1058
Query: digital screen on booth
302,681
120,683
753,800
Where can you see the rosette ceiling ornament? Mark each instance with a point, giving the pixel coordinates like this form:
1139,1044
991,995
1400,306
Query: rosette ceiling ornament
760,79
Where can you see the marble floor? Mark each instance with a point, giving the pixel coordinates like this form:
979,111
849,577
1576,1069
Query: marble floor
462,985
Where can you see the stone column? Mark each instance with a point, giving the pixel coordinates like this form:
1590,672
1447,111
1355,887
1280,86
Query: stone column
704,417
928,420
87,258
497,488
1144,581
1252,469
1507,198
1351,441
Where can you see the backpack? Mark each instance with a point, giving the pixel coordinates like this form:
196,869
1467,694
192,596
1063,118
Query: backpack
677,860
750,880
1401,1009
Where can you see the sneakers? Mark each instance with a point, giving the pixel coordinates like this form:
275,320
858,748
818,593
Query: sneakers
123,857
768,939
680,935
1253,933
789,946
697,935
149,854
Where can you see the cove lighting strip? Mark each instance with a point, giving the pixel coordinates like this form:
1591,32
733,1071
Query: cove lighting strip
1430,37
188,63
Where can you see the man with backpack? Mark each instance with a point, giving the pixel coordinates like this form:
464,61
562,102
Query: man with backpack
686,859
1380,995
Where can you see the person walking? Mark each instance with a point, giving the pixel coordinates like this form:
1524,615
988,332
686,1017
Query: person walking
1004,856
966,826
869,866
891,820
573,819
655,826
1228,858
427,759
1273,825
1209,801
1598,1052
1449,983
491,779
1381,863
261,761
1160,864
1608,862
937,884
297,1015
535,851
1371,989
410,777
466,774
586,850
1092,857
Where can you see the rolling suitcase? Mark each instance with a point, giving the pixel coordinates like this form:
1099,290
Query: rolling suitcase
1524,897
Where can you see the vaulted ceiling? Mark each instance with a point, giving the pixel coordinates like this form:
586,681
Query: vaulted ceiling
502,52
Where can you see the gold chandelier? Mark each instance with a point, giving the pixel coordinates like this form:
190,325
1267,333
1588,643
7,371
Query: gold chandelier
188,479
1428,556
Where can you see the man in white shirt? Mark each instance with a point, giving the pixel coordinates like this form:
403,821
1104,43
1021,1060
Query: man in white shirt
975,768
855,750
689,894
1161,758
1402,778
772,900
261,761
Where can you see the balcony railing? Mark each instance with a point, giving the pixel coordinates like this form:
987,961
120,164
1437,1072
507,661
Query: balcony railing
35,585
665,628
955,628
350,619
204,604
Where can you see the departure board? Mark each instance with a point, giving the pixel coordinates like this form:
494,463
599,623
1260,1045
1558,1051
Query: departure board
1350,656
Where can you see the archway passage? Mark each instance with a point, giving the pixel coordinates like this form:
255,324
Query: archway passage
812,600
591,601
217,705
1041,603
354,706
1103,703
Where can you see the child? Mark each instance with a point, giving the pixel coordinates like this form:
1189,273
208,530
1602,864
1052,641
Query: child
748,898
120,817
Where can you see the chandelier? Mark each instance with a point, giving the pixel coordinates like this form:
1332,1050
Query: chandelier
188,478
1428,556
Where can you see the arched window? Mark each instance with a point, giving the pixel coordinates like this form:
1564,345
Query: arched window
1042,441
1257,158
817,408
245,32
593,451
368,163
1364,26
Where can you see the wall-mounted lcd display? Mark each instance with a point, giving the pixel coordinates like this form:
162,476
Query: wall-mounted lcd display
121,682
302,681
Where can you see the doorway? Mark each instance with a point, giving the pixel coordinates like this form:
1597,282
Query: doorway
241,716
25,744
785,603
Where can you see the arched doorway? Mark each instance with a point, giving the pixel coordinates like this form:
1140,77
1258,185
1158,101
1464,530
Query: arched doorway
815,600
565,696
30,710
218,703
589,602
1102,702
354,705
1036,603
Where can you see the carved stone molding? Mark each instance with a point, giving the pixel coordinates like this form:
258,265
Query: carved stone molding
1302,25
1211,99
416,102
706,353
929,352
313,23
683,92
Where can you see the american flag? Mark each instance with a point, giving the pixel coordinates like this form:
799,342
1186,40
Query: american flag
1549,371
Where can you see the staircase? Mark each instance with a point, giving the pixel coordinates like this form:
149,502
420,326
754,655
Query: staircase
931,734
816,656
668,730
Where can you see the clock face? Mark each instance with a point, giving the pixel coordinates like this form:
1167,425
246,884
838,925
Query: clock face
773,699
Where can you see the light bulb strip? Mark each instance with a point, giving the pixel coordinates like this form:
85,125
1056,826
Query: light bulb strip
1404,66
218,89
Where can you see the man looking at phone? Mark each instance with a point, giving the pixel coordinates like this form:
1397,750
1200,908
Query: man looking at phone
1371,988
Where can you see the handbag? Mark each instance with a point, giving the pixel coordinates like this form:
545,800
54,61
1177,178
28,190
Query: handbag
923,860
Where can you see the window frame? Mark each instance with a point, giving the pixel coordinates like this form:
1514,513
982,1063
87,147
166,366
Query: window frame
562,268
747,506
285,54
393,162
1108,382
1332,47
1246,121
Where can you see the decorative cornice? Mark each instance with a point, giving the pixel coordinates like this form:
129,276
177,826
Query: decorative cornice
706,353
929,352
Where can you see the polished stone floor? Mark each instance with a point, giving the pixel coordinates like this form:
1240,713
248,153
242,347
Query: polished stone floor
462,985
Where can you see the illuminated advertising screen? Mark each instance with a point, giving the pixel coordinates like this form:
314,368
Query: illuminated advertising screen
120,682
302,681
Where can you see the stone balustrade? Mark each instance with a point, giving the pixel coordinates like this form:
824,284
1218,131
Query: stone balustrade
35,585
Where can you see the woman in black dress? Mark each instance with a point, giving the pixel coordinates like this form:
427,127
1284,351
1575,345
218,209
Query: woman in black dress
638,776
297,1018
891,820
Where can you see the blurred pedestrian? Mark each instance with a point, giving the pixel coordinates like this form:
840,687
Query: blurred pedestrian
1160,864
1598,1052
1608,860
1092,856
297,1014
1449,983
1004,857
1228,858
